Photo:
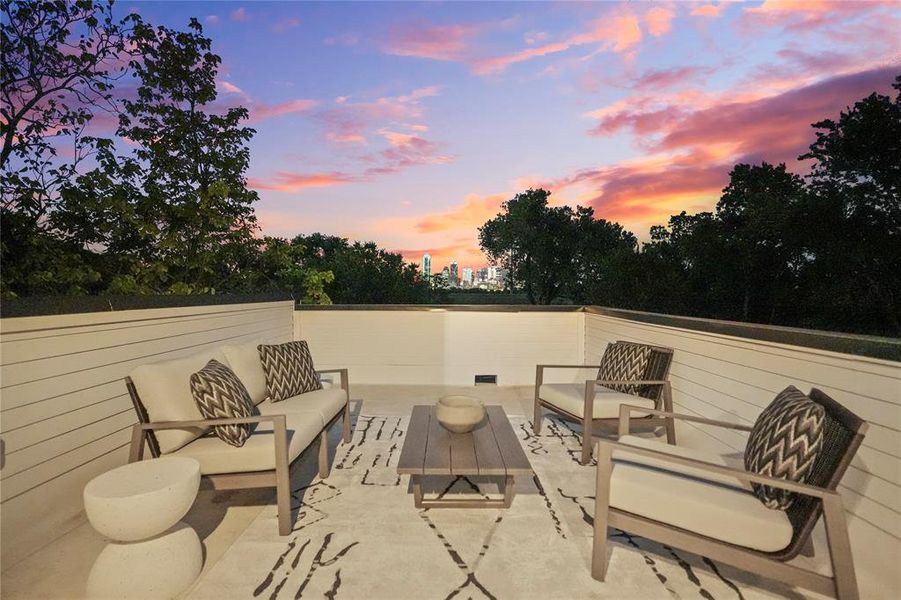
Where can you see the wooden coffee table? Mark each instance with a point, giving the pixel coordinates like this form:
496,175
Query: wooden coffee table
491,450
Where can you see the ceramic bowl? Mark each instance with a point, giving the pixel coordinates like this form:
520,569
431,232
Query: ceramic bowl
460,414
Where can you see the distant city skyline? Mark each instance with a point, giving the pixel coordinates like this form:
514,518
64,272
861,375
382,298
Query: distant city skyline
409,124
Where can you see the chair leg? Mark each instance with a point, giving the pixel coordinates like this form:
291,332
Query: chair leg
840,549
586,441
669,423
601,506
536,421
323,454
347,433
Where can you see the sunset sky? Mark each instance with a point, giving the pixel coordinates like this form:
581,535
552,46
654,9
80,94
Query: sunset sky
408,124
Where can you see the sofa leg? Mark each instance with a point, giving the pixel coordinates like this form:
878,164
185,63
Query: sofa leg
323,454
586,442
347,433
283,493
601,509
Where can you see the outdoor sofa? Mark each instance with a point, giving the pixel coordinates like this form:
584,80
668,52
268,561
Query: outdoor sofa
170,424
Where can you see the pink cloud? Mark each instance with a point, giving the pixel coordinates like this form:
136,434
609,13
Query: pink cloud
350,122
659,20
211,19
239,14
437,42
283,26
656,79
260,111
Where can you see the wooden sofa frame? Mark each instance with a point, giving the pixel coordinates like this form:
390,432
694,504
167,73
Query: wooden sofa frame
827,502
279,478
663,400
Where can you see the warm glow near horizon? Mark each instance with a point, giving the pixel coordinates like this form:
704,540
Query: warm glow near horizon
408,124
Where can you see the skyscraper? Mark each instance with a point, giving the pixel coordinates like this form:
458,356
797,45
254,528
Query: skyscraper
454,272
467,276
426,267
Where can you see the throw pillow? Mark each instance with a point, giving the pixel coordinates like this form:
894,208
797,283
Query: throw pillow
219,394
289,370
784,443
622,361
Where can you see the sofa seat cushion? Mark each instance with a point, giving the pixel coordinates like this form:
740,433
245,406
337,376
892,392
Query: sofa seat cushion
244,360
714,510
165,392
571,398
258,452
682,451
327,402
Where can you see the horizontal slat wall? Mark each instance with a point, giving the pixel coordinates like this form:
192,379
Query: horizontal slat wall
731,378
442,347
65,414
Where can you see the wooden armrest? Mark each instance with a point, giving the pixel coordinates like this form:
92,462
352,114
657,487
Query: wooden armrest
279,428
625,409
161,425
344,378
606,448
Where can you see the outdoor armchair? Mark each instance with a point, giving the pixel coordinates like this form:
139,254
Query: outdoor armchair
699,502
597,402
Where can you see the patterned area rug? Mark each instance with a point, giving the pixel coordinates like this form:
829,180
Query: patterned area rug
357,535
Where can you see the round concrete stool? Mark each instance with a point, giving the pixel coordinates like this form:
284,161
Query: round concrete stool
139,506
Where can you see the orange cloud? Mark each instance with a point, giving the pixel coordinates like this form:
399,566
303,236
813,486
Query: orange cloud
708,10
469,216
293,182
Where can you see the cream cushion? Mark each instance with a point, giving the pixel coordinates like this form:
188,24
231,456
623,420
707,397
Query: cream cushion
326,402
258,452
718,511
244,360
692,453
571,398
165,391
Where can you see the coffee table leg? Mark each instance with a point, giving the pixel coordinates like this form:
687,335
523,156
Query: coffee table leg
508,491
417,490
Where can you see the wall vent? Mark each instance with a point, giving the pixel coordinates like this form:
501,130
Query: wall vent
486,380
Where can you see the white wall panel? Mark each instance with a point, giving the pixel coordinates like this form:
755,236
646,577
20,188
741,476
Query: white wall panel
65,415
442,347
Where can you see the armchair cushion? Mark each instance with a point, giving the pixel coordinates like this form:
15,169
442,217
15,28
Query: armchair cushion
258,452
717,511
784,443
244,360
165,392
624,360
289,370
684,452
326,402
570,397
220,395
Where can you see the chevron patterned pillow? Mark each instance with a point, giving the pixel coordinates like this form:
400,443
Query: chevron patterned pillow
784,443
289,370
624,360
219,394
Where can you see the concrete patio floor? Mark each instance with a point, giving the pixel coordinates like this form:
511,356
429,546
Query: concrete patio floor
60,569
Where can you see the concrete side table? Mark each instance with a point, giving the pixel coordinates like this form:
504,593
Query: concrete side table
139,506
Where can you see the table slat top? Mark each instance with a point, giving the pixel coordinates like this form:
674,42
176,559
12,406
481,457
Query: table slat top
492,449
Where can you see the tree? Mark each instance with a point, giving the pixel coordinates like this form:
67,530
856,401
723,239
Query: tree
535,242
180,197
852,219
362,272
58,64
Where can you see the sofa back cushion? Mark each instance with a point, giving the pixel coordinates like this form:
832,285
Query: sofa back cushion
289,370
244,360
164,389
